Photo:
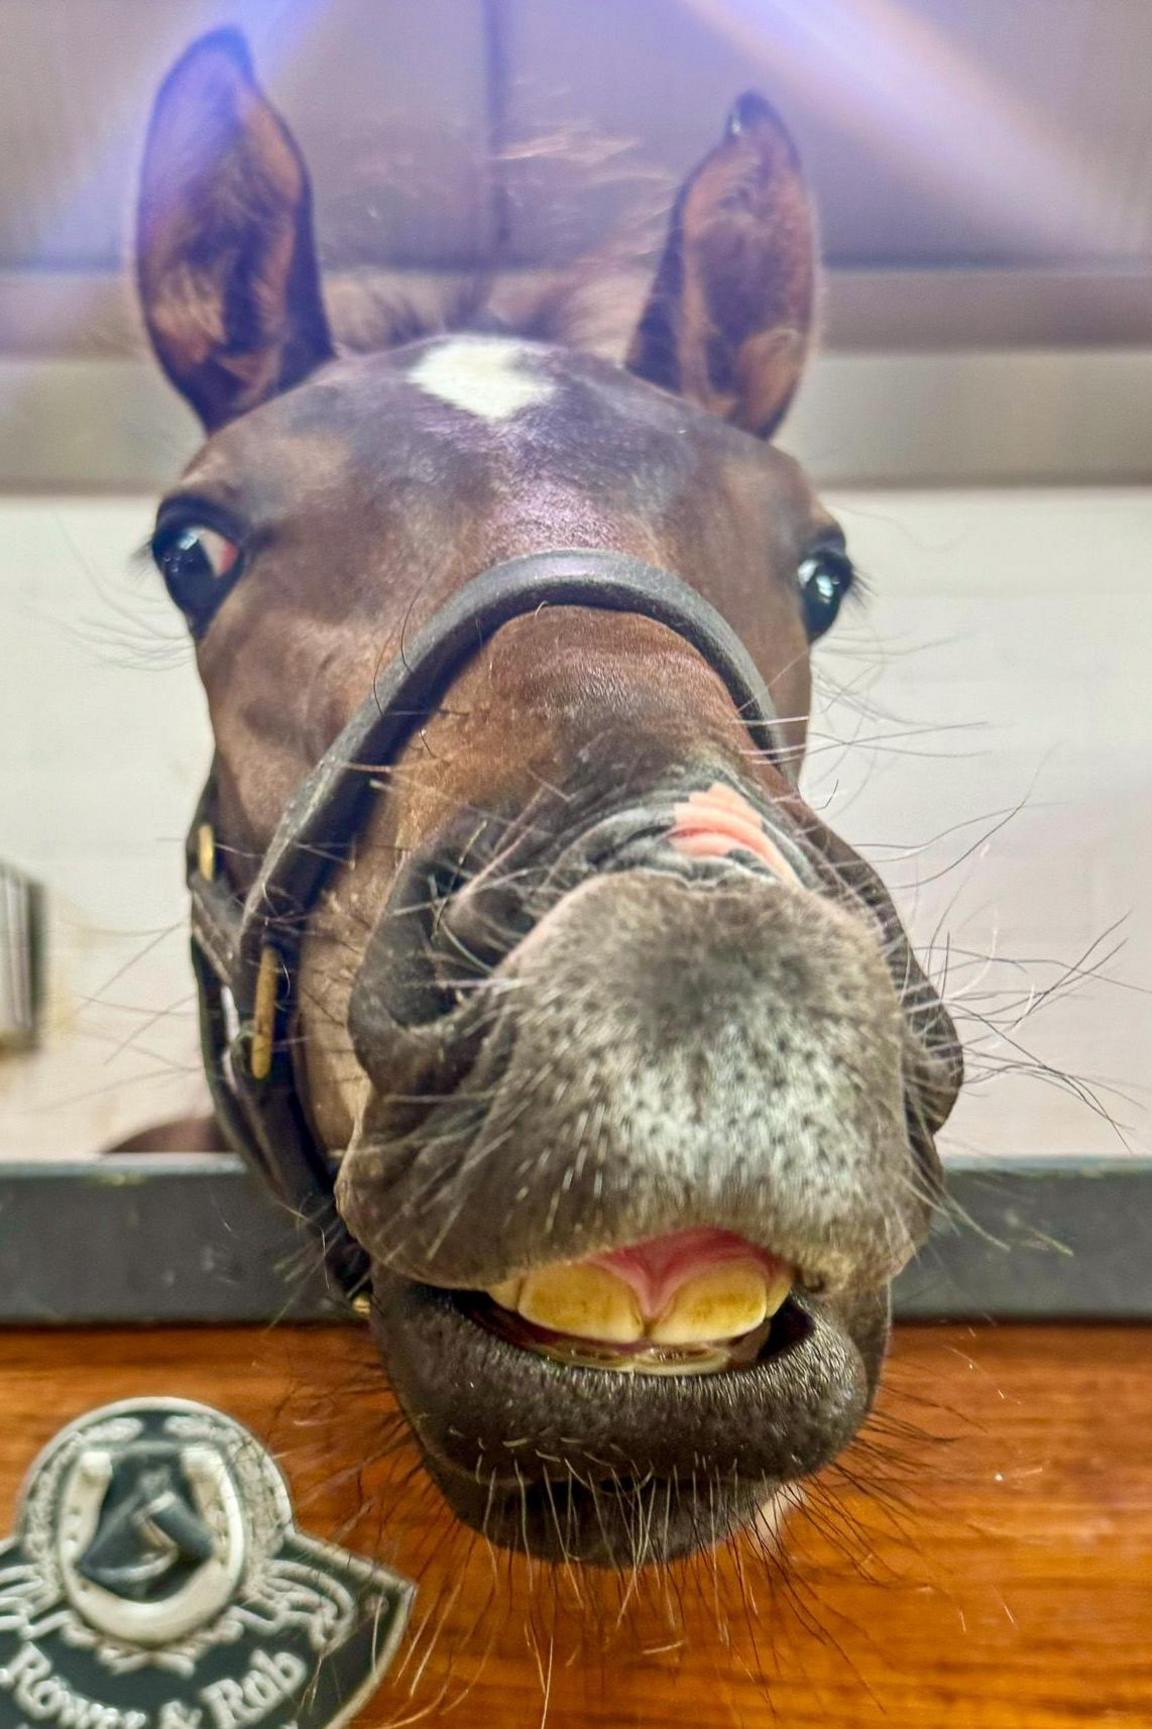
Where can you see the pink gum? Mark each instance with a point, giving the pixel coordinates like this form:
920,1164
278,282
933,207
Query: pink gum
656,1270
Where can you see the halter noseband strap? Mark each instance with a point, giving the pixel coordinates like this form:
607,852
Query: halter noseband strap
245,954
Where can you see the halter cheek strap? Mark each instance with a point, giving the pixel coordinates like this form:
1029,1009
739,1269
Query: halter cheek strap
245,954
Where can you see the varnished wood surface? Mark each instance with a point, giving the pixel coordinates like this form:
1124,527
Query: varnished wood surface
982,1561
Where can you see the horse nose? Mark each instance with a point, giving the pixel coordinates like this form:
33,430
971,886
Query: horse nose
660,1052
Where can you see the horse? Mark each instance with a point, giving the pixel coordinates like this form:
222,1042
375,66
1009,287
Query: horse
511,919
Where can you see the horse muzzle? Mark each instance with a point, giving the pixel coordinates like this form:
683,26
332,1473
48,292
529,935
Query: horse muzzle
688,1050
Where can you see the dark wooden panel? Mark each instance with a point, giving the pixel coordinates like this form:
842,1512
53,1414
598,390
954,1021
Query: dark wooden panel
936,131
979,1562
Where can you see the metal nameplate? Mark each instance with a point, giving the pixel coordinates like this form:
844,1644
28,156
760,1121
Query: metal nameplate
156,1580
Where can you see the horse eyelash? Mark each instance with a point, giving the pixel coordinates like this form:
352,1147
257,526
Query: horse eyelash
860,588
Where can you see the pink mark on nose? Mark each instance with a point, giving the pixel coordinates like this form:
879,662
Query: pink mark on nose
655,1270
719,821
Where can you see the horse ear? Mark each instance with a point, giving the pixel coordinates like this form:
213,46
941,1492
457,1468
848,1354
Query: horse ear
729,318
225,258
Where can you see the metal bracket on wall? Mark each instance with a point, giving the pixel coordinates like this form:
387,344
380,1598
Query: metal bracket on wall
154,1240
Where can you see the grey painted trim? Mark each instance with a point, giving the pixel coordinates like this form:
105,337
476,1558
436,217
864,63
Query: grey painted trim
1037,1240
947,378
150,1239
1037,417
945,311
1047,417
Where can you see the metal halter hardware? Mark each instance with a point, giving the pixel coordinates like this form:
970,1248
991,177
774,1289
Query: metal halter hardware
247,950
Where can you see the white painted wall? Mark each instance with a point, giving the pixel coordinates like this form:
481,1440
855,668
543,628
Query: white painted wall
985,735
103,742
1003,669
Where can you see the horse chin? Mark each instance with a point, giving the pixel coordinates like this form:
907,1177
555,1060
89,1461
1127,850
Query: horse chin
615,1468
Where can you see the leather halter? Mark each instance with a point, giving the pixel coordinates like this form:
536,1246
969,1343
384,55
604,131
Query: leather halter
245,952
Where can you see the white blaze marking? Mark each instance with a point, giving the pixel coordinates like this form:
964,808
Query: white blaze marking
488,376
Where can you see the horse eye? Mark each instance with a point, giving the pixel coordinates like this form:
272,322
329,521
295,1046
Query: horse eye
825,577
198,564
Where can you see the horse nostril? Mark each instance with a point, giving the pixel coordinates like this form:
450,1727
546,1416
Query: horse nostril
440,937
473,926
396,989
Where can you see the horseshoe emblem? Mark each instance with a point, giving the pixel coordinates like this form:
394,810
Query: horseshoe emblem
157,1581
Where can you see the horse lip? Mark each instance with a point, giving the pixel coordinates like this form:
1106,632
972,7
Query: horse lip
444,1262
633,837
487,1412
638,837
815,1316
815,1274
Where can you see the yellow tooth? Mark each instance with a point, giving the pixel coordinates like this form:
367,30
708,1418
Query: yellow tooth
506,1293
590,1302
719,1304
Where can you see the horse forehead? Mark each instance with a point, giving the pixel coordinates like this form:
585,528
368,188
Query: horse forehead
473,421
447,408
469,416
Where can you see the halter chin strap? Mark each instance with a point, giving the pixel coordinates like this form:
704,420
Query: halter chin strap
245,953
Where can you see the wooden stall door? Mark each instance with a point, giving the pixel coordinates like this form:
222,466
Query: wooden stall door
982,1559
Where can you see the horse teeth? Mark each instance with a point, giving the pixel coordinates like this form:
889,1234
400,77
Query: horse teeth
588,1302
719,1304
506,1293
